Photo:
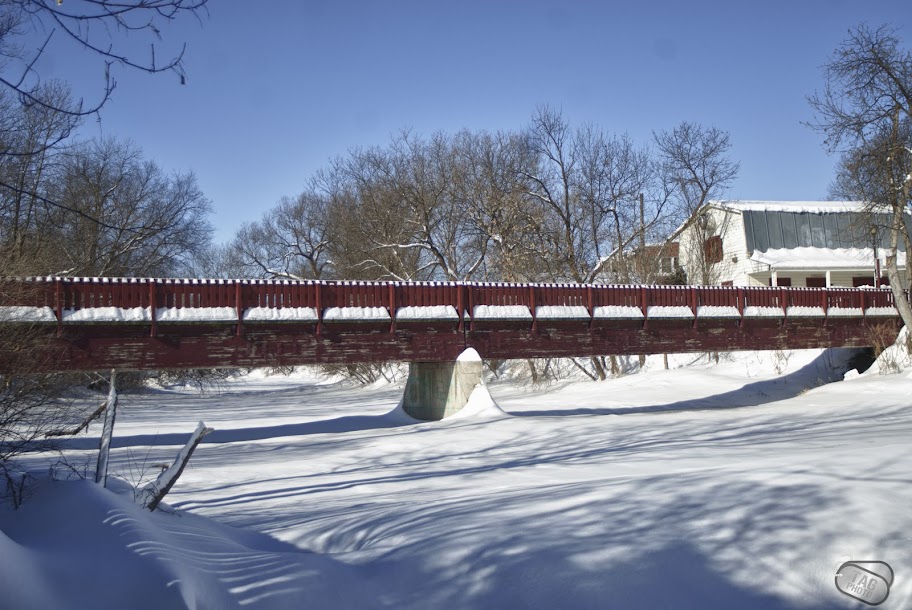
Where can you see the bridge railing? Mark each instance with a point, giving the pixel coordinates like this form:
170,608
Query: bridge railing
73,294
618,296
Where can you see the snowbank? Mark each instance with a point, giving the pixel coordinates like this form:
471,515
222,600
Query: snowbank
427,312
894,359
481,405
708,486
22,313
79,546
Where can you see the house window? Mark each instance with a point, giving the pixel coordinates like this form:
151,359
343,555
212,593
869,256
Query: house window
867,280
712,249
668,264
815,282
728,283
781,281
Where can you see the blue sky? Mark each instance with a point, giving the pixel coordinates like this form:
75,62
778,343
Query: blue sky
276,89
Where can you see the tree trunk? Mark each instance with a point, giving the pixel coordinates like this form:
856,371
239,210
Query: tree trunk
599,368
532,370
84,425
897,228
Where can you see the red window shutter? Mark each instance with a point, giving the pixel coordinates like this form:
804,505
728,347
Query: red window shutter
712,249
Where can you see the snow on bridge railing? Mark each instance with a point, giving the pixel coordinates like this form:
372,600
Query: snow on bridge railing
150,300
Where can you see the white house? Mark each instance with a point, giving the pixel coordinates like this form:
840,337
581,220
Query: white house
785,243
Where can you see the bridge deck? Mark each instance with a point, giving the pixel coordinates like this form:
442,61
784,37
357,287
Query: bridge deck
132,323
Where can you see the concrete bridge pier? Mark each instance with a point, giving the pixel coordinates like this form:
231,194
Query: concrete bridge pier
435,390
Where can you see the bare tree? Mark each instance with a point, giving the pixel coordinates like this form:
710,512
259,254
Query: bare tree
291,241
551,186
864,111
136,220
613,179
588,185
696,165
32,401
869,174
417,173
96,26
489,184
375,230
695,160
24,177
96,30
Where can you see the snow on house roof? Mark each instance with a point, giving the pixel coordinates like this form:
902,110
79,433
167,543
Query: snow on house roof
823,258
810,207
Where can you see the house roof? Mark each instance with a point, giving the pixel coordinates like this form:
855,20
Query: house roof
663,250
790,225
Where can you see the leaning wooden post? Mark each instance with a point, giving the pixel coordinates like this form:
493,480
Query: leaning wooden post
152,494
104,449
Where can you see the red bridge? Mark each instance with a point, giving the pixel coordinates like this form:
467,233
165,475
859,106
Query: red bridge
132,323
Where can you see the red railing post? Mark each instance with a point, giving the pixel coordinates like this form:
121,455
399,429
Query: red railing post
644,306
589,305
318,297
693,304
153,329
532,308
460,308
825,303
58,287
392,306
741,306
471,290
239,307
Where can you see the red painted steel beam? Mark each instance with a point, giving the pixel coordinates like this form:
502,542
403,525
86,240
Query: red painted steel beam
219,346
160,343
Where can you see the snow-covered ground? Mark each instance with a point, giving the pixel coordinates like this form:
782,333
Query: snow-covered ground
707,486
